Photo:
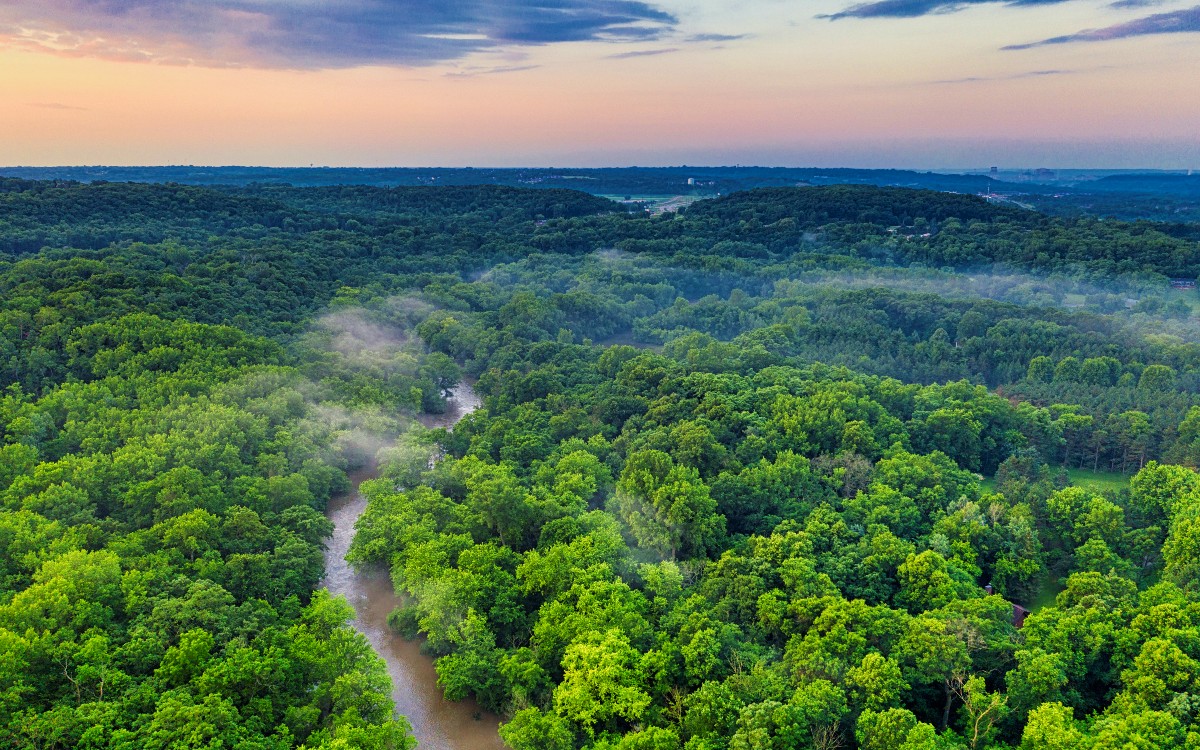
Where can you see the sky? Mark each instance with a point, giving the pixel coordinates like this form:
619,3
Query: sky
932,84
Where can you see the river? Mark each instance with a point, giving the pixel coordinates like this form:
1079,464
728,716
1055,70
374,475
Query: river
438,724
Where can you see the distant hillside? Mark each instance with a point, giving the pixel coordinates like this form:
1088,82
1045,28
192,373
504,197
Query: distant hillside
1173,184
37,214
621,181
886,206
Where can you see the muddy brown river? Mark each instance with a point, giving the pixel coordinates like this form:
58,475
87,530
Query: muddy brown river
437,723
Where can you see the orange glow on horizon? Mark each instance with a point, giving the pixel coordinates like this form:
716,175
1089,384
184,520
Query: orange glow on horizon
784,95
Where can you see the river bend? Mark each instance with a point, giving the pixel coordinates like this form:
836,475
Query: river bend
438,724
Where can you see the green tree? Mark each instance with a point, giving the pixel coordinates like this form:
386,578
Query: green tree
1041,369
531,729
1157,378
601,682
925,582
1051,726
931,653
667,507
876,684
894,729
1068,370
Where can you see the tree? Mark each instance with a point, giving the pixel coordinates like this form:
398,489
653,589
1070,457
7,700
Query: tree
695,446
1157,488
667,507
1140,729
1160,672
1187,446
1075,429
1051,726
981,711
602,681
442,370
1041,369
180,722
930,652
1181,552
473,668
1039,677
1100,371
955,432
894,729
972,324
876,684
821,707
769,725
531,729
187,660
925,582
1157,378
1068,370
500,498
1132,432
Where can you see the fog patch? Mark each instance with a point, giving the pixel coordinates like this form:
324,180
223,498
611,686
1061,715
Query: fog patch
613,255
379,341
362,364
352,334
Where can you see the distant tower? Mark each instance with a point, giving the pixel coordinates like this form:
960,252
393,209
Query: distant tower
995,171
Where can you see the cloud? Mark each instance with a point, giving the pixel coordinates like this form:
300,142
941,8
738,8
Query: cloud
917,8
57,105
1175,22
480,71
1012,77
642,53
308,34
716,37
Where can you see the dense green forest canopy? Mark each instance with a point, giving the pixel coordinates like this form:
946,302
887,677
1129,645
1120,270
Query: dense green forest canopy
740,479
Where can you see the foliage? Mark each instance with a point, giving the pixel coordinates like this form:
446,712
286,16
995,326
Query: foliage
724,490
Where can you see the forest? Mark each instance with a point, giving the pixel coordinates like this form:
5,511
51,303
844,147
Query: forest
822,467
1162,196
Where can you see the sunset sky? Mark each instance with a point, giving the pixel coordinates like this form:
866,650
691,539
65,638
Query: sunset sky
893,83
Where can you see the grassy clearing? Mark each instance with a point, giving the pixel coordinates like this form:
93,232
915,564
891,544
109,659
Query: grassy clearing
658,204
634,197
1048,585
1187,295
1098,481
1049,588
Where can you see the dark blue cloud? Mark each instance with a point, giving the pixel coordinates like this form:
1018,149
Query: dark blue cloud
916,8
315,34
1126,4
716,37
1175,22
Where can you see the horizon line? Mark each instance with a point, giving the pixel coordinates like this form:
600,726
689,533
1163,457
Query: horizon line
972,170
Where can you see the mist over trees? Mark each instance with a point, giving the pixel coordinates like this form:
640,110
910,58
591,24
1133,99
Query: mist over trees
740,478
